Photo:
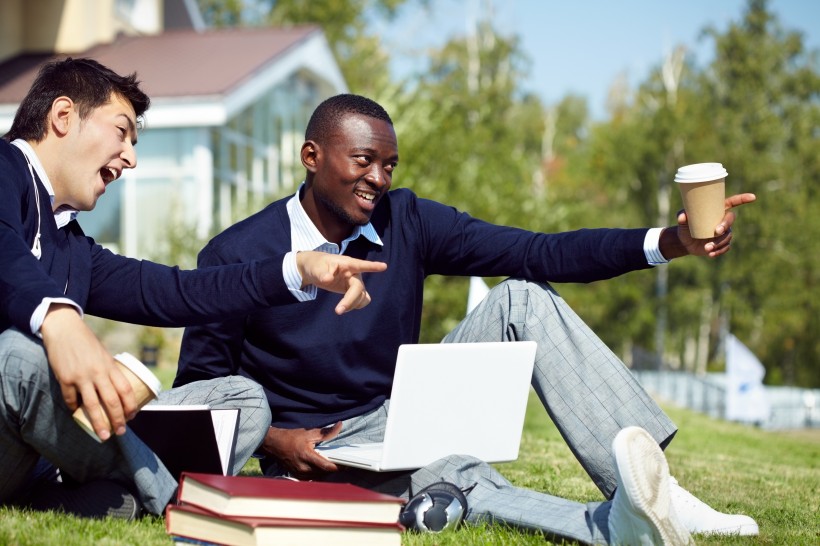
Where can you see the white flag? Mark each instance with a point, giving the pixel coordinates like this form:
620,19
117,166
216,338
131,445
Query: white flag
478,289
746,398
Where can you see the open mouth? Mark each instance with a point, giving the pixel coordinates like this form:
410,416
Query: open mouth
367,196
109,174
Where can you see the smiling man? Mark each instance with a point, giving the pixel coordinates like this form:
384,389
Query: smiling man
73,134
328,378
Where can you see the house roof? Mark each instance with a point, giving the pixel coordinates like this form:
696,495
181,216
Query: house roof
221,70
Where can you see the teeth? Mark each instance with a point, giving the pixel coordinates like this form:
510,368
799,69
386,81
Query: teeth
109,174
367,196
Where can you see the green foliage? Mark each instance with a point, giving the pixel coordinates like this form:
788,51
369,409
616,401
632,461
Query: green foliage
754,109
359,53
469,137
764,97
222,13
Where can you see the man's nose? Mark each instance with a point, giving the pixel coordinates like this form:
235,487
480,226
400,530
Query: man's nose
376,176
129,156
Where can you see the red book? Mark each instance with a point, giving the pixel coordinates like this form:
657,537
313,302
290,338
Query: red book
195,523
251,496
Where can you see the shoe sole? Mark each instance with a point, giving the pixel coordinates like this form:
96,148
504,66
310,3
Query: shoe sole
745,530
644,473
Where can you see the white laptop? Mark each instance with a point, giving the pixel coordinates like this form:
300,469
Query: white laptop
447,399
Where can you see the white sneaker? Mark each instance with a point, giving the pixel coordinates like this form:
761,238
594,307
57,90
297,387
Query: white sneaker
699,517
642,512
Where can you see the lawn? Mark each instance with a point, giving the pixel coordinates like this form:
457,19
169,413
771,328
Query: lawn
772,476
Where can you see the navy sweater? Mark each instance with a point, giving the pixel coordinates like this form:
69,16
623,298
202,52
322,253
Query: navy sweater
103,283
317,367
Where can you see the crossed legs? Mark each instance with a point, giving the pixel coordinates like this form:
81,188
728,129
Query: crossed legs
587,391
37,430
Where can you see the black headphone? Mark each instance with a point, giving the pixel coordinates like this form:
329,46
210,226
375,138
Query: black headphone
435,508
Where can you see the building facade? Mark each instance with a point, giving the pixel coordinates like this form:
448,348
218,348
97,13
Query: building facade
227,119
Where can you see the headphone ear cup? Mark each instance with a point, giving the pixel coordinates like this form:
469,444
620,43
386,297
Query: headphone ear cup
435,508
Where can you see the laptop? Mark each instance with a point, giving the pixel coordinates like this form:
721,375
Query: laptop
447,399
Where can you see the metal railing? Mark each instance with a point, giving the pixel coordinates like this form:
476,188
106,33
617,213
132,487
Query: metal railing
791,407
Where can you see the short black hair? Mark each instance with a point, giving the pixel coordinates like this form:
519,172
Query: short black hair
85,81
328,115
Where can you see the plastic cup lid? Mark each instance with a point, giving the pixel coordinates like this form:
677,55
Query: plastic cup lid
140,370
701,172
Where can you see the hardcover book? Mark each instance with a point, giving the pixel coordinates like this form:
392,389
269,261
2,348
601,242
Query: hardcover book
252,496
195,523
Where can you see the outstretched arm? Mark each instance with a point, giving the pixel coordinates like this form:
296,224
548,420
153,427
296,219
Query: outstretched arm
677,241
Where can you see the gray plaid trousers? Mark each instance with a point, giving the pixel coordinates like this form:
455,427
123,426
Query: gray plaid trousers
587,391
36,427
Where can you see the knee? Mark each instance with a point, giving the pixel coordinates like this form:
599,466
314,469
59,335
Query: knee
255,394
250,391
454,468
464,471
245,385
22,358
516,285
530,297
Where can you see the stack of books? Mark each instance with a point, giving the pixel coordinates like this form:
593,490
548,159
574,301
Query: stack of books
253,511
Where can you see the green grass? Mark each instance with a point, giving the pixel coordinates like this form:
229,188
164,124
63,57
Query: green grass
771,476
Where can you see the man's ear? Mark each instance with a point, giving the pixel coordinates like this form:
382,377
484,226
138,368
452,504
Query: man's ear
310,155
61,115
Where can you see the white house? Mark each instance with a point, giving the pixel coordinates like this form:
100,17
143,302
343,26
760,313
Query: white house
228,113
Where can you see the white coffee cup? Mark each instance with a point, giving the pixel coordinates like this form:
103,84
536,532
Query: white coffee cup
144,383
703,189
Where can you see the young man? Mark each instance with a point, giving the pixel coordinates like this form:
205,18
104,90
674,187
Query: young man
74,134
327,378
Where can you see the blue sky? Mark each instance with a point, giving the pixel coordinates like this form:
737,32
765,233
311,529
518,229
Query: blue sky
582,46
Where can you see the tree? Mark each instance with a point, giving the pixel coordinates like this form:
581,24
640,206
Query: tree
754,109
469,138
763,91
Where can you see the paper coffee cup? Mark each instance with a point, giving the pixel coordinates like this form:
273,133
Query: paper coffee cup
703,189
144,383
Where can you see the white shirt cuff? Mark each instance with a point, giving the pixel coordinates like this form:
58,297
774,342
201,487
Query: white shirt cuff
293,280
651,247
39,315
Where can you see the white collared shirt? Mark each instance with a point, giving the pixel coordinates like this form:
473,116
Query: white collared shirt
62,216
305,236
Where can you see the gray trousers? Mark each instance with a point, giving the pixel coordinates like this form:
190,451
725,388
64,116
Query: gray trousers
38,431
587,391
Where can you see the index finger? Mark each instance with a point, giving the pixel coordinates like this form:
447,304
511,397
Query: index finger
70,396
365,266
740,199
